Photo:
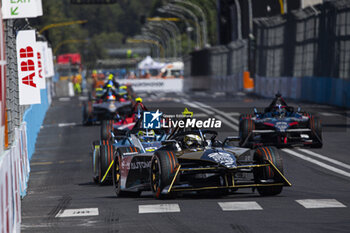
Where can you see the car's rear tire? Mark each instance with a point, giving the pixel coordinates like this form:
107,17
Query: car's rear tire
95,164
163,168
116,174
86,115
106,127
261,156
316,132
106,158
246,127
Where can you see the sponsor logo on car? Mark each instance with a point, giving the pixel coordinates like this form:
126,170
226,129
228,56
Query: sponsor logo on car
152,120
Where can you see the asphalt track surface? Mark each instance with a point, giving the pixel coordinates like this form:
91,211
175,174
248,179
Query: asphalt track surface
62,197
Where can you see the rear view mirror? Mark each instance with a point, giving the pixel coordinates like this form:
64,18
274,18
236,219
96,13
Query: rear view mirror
167,142
231,139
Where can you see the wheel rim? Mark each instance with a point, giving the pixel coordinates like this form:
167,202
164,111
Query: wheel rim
155,175
117,174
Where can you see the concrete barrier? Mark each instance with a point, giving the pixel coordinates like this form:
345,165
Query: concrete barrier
229,84
159,85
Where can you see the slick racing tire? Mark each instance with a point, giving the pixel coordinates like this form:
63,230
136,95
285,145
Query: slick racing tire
245,116
261,156
106,127
163,169
96,162
316,132
86,115
246,127
106,158
117,176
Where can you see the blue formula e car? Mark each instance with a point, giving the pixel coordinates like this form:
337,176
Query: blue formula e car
279,125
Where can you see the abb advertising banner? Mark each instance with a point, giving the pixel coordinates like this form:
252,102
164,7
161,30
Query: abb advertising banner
51,70
28,70
41,64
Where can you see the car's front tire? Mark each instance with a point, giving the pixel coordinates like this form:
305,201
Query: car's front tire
246,127
261,174
164,165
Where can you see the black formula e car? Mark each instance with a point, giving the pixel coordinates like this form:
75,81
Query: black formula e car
280,125
193,160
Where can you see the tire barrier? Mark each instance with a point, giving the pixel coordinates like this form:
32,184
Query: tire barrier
321,90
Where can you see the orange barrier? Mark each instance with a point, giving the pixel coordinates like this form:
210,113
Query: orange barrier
248,82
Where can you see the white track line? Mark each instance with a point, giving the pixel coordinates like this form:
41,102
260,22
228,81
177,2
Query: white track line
329,114
204,108
64,99
224,114
159,208
193,105
336,162
314,161
234,206
320,203
196,105
66,124
77,213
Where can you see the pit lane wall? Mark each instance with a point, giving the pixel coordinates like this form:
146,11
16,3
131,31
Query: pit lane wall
321,90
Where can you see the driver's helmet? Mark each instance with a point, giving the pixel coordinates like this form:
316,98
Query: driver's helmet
280,110
110,84
110,77
111,97
146,136
192,141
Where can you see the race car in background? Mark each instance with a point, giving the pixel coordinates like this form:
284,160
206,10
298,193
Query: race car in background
281,126
193,160
109,103
123,121
107,108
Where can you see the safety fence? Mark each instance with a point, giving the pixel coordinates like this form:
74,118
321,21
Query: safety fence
311,46
14,163
217,69
312,42
14,174
21,126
